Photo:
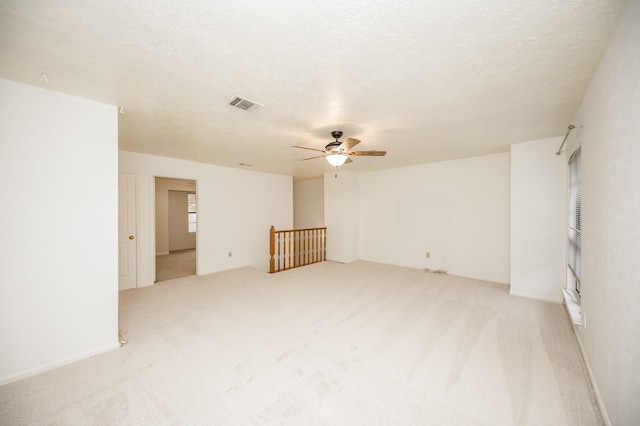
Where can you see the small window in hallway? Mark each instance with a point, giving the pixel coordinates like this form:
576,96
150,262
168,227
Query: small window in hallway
575,222
191,212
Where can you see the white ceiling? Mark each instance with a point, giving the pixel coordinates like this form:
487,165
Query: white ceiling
425,80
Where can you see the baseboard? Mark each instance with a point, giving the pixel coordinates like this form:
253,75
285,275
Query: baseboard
478,278
529,296
162,253
55,364
592,379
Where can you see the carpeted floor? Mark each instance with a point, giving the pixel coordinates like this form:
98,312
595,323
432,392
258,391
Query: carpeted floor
177,264
327,344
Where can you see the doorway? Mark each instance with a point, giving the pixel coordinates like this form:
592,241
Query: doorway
176,228
127,243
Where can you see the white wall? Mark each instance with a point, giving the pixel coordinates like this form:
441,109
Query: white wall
179,236
610,139
457,210
308,203
236,209
59,251
538,219
341,215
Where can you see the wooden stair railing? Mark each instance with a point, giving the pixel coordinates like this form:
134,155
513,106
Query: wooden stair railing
296,247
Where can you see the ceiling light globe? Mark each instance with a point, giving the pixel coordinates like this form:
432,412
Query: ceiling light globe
336,159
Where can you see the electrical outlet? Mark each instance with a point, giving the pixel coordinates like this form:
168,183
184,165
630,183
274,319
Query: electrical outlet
428,255
230,254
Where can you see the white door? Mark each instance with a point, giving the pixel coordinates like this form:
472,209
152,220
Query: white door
127,230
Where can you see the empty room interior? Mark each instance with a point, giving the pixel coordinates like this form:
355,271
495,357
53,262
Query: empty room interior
316,213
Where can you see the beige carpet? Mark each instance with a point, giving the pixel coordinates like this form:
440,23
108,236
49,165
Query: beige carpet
178,264
327,344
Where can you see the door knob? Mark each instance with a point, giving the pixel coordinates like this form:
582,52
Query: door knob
131,237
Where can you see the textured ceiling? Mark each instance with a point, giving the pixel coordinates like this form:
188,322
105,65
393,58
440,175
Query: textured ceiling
425,80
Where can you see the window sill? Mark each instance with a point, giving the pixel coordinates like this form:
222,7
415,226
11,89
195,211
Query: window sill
572,302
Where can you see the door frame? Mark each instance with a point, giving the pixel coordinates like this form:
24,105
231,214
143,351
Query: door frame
152,221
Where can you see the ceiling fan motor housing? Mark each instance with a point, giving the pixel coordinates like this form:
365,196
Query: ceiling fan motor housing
335,145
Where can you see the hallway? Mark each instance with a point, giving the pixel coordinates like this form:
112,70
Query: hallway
179,263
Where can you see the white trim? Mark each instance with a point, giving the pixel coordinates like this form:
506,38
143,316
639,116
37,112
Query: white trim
423,268
592,379
528,296
479,278
152,212
55,364
573,307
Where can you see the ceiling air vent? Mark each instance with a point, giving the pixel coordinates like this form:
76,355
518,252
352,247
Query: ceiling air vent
245,104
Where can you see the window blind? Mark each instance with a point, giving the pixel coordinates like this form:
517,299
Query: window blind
191,212
574,232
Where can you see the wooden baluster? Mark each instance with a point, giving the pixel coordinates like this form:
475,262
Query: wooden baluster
324,244
280,236
272,249
284,250
290,249
279,252
295,249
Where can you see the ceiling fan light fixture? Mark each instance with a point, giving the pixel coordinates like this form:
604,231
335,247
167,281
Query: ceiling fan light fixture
336,159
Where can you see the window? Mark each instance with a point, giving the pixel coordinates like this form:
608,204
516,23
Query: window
191,212
574,232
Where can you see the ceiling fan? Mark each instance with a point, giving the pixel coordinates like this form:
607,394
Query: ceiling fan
337,152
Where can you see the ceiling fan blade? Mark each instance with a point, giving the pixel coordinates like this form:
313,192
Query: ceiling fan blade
310,149
348,160
311,158
368,153
350,143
